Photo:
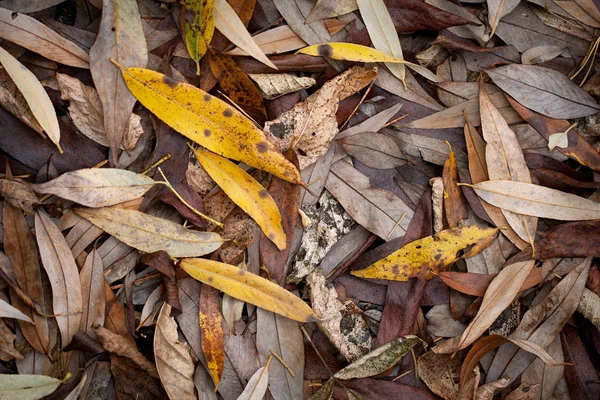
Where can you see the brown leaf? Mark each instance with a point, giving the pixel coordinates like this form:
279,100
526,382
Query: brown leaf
114,320
476,284
92,290
120,37
161,261
573,239
439,371
454,201
543,374
60,266
173,360
21,250
18,194
211,331
7,344
414,15
581,375
375,150
578,149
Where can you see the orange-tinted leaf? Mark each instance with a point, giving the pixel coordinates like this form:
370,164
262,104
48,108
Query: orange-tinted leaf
211,331
454,201
476,284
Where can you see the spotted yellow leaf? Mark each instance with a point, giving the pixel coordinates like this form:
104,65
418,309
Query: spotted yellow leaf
247,193
248,287
208,121
424,258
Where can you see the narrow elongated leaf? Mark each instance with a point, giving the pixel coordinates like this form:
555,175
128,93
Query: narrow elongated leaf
454,202
199,31
544,90
382,32
375,150
248,287
97,187
211,331
8,311
330,8
538,201
589,307
26,387
505,160
208,121
380,359
35,95
498,296
476,284
230,25
257,385
173,360
150,234
498,9
425,257
37,37
247,193
121,38
60,266
280,39
93,296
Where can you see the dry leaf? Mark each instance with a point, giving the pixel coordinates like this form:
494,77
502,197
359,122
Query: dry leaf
454,201
26,387
589,307
330,8
8,311
211,332
173,360
18,194
311,125
248,287
276,85
120,38
35,36
93,296
257,385
147,233
425,257
280,39
199,31
375,150
538,201
230,25
208,121
380,359
97,187
499,295
498,9
247,193
60,266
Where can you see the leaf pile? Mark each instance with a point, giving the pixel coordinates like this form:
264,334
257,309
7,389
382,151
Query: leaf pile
287,199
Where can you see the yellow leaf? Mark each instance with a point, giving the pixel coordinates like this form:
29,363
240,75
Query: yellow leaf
248,287
424,258
208,121
247,193
199,32
35,95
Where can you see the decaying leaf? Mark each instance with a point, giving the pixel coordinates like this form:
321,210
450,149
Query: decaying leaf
27,387
199,31
376,150
208,121
8,311
257,385
476,284
425,257
34,94
276,85
380,359
310,126
173,360
147,233
248,287
97,187
589,307
211,331
247,193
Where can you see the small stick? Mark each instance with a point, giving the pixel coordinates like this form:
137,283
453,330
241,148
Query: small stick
283,363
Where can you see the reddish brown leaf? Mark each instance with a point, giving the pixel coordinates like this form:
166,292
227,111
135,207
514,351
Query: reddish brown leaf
416,15
582,378
476,284
454,201
211,331
161,261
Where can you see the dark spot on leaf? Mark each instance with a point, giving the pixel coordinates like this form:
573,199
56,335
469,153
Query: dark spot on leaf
272,236
207,132
302,152
169,81
418,247
112,29
228,113
325,50
263,194
210,279
207,97
262,147
437,256
241,272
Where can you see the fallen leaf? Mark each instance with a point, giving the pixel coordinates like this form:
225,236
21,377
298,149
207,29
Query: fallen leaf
97,187
583,10
276,85
330,8
498,9
454,201
382,32
92,290
541,54
423,258
230,25
310,126
35,36
501,292
18,194
211,331
539,201
62,271
378,210
147,233
257,385
439,372
375,150
580,374
546,376
325,392
163,264
13,101
280,39
505,160
173,361
475,284
248,287
414,15
247,193
589,307
208,121
8,311
544,90
199,31
35,95
120,37
27,387
380,359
